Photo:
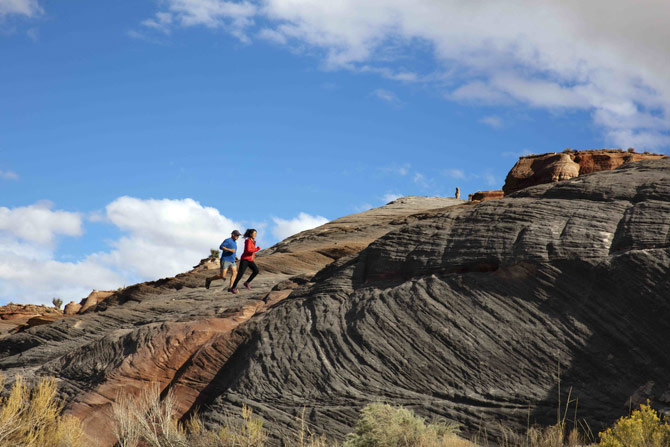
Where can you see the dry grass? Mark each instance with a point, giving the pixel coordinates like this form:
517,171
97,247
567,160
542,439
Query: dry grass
32,418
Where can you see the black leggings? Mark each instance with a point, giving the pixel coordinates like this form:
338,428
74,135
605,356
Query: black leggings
243,267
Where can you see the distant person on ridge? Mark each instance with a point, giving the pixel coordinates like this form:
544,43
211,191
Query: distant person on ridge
248,256
228,249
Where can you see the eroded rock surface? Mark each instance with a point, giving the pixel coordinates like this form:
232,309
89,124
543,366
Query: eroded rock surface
534,170
467,313
176,333
462,311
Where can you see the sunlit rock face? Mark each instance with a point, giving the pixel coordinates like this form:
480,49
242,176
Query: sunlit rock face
546,168
464,311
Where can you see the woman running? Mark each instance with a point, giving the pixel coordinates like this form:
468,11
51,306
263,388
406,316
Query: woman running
247,259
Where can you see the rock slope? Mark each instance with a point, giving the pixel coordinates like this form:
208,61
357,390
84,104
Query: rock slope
468,312
471,313
173,331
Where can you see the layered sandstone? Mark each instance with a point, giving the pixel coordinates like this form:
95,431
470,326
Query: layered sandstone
546,168
481,196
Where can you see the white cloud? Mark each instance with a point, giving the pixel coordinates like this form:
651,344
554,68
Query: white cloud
26,280
494,121
390,197
160,238
160,22
386,96
28,8
39,223
420,179
272,36
285,228
8,175
599,56
164,237
235,17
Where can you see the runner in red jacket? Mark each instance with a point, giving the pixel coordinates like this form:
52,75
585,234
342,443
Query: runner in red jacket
247,259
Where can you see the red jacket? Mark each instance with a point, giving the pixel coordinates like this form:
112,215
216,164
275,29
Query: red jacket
250,249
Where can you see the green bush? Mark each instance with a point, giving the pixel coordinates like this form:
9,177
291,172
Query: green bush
381,425
57,302
643,428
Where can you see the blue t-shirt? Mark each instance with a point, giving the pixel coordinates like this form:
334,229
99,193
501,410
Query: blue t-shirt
225,254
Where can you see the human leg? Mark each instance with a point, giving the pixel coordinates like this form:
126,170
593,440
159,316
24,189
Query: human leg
233,275
209,279
254,272
243,268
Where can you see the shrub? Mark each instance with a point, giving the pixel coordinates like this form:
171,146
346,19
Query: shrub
381,425
32,418
214,253
57,302
643,428
148,420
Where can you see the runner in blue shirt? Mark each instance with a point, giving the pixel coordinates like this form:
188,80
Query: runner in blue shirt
228,250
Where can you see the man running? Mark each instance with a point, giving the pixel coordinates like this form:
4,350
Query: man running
228,250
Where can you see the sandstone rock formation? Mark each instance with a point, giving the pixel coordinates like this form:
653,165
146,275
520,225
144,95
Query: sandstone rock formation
16,316
457,310
481,196
545,168
72,308
92,300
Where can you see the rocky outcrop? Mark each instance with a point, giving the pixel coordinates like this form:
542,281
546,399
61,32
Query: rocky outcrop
463,311
92,300
72,308
19,316
481,196
471,313
546,168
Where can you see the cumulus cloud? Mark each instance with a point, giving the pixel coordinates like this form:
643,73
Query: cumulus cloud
284,228
163,237
608,58
39,223
28,8
159,238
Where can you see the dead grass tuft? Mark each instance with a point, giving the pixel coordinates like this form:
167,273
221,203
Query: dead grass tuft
32,417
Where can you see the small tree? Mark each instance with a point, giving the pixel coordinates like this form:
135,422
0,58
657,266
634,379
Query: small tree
57,302
213,253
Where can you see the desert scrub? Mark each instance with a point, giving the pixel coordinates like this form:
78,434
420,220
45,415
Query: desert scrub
148,420
31,417
381,425
643,428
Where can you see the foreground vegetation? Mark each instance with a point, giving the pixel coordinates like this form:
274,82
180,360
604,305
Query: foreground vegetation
31,417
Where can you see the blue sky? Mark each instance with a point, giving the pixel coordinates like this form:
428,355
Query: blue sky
135,134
